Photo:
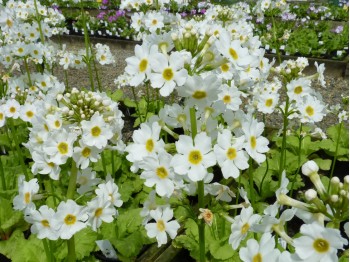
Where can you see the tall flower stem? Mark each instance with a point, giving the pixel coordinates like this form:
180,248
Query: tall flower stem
137,104
200,184
18,149
38,19
70,195
299,160
284,142
47,250
87,48
2,174
340,126
27,70
251,182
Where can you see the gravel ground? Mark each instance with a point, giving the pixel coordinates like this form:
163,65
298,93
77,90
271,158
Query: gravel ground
336,75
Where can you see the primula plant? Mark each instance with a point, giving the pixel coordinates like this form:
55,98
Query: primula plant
202,170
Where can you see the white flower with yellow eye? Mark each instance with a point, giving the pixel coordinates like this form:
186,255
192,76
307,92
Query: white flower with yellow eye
193,159
298,88
100,209
311,110
162,226
26,192
70,218
27,112
96,132
168,72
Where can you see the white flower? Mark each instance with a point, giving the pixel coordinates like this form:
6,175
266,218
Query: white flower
241,226
193,159
162,225
263,251
59,146
69,219
318,243
230,155
43,165
298,88
96,132
256,144
311,110
320,74
84,154
157,171
168,72
309,168
86,179
153,21
26,192
110,190
100,209
42,222
12,109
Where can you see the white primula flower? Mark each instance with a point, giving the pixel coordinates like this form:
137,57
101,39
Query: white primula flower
311,110
69,219
59,146
157,171
320,71
27,112
256,144
138,66
241,226
100,209
318,243
110,189
43,165
168,72
193,159
298,88
26,191
162,226
263,251
96,132
12,108
41,221
230,155
87,180
84,154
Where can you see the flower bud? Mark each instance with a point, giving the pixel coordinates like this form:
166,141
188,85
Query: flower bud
309,168
206,215
334,198
310,194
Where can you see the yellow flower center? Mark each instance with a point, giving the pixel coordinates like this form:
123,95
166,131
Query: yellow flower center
321,245
103,57
160,225
9,22
51,164
95,131
261,64
231,153
245,228
257,258
29,114
195,157
62,148
20,50
310,111
12,109
27,198
233,53
168,74
253,142
46,128
1,116
43,84
143,65
149,145
70,219
224,67
154,22
57,124
226,99
45,223
199,94
98,212
298,90
86,152
268,102
36,52
162,172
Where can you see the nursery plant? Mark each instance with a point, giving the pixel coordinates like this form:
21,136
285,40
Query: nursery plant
203,171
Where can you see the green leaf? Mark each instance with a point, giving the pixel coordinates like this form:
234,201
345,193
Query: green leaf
221,250
84,244
128,222
189,240
117,95
129,103
9,218
131,245
19,249
324,164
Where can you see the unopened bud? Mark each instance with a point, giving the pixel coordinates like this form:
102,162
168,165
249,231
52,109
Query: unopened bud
334,198
310,194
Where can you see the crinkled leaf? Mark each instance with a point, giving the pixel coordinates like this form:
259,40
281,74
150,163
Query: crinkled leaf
221,250
324,164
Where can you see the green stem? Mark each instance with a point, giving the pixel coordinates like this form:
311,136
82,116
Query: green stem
99,86
237,196
113,165
262,181
18,149
47,250
52,192
284,142
275,40
299,160
87,48
137,104
335,154
251,182
28,72
71,257
66,78
3,181
104,163
38,19
200,184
